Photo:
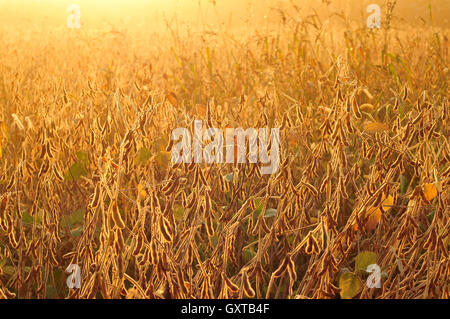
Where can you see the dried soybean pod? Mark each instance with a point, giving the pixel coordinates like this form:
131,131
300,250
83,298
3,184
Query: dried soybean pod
405,93
96,199
250,225
164,227
144,258
342,189
196,177
248,289
208,205
139,244
202,177
13,240
396,104
172,187
208,115
153,255
44,168
282,268
57,174
355,109
205,294
119,238
209,226
183,199
116,216
348,123
193,200
169,145
313,190
190,254
230,285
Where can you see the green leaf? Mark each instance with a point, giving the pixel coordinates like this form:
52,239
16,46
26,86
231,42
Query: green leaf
57,274
51,292
430,217
83,157
178,211
349,284
403,184
259,205
9,270
77,232
345,270
163,158
271,212
75,172
365,259
77,217
143,155
248,254
27,218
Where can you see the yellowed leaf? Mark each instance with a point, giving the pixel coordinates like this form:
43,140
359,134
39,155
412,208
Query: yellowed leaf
367,106
373,214
3,134
172,98
292,138
350,285
4,129
163,158
142,192
387,203
201,110
375,127
430,191
368,94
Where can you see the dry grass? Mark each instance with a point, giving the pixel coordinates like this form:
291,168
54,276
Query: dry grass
86,176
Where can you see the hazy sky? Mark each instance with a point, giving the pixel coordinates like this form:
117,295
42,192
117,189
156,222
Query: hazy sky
53,12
